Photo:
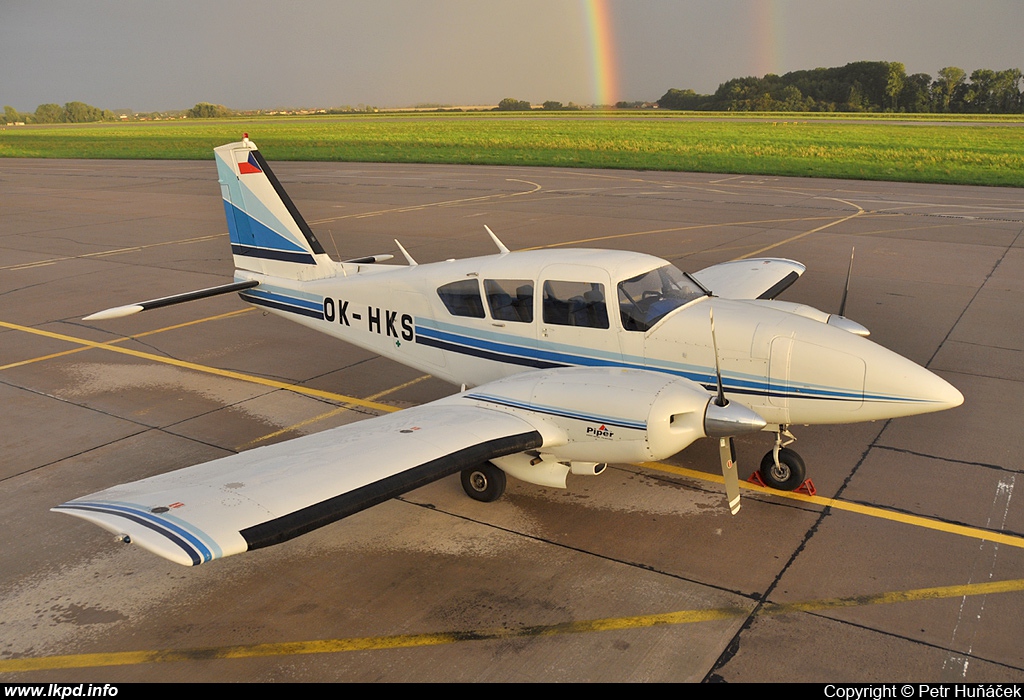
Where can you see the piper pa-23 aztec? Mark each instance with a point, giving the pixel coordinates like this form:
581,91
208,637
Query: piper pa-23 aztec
572,359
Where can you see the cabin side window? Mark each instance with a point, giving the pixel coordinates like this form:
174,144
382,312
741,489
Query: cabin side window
510,300
575,304
462,298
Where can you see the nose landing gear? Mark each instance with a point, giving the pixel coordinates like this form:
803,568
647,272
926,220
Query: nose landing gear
782,468
784,472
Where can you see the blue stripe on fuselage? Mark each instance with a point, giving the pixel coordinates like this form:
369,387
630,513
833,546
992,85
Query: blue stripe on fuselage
558,411
530,352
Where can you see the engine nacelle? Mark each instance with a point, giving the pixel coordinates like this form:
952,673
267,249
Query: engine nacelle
603,414
545,469
814,314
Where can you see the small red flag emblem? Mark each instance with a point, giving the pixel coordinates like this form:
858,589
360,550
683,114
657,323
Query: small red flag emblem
249,166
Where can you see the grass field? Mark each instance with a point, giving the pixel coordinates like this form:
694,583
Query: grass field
982,152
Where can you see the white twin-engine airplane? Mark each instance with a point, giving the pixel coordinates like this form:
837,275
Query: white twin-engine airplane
575,358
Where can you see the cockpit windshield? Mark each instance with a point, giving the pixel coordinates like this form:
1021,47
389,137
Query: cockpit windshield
646,299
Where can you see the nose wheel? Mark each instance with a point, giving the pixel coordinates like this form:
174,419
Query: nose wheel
784,474
484,482
782,468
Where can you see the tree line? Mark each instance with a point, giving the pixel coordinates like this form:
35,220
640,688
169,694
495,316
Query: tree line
864,86
70,113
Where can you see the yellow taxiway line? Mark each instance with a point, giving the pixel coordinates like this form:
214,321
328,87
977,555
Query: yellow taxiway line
575,627
126,338
112,251
348,401
406,641
273,383
872,511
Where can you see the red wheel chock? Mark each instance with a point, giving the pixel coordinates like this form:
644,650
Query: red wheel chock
806,488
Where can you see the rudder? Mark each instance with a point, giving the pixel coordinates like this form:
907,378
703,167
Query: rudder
268,234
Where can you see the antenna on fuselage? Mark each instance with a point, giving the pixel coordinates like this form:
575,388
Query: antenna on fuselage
839,320
408,258
846,289
501,246
720,399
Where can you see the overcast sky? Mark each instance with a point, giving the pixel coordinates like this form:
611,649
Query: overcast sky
150,56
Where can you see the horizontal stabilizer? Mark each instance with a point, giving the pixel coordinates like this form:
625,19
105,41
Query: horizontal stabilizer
370,259
129,309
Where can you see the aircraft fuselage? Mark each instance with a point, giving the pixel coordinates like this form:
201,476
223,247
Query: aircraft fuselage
475,320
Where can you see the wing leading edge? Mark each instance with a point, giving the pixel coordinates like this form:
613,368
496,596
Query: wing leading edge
271,494
562,419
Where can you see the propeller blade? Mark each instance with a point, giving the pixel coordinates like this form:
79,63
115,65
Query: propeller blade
731,419
727,452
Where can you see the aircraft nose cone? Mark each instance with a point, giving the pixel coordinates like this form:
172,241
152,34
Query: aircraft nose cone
920,390
941,393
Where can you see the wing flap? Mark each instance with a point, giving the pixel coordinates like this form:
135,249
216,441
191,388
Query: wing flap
272,494
756,278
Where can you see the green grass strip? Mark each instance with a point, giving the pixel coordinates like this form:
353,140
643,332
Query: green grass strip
978,152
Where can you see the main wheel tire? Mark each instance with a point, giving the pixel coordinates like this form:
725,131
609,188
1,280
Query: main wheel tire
484,482
788,474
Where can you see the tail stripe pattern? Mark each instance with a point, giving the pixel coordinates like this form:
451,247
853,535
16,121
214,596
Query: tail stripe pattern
268,234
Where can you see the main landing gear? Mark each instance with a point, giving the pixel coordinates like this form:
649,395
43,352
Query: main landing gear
484,482
782,468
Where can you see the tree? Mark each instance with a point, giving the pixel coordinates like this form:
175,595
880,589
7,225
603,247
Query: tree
552,105
79,112
682,99
855,101
864,86
895,77
916,94
945,87
510,104
205,110
49,113
1005,96
792,99
11,115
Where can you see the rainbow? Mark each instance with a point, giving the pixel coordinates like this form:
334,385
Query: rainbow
598,17
768,25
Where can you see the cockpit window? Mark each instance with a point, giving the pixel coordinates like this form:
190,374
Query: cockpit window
646,299
462,298
575,304
510,300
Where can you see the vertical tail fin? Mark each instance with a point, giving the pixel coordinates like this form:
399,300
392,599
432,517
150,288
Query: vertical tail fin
268,234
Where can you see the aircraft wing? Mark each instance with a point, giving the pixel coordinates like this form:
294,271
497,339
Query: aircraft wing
756,278
270,494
